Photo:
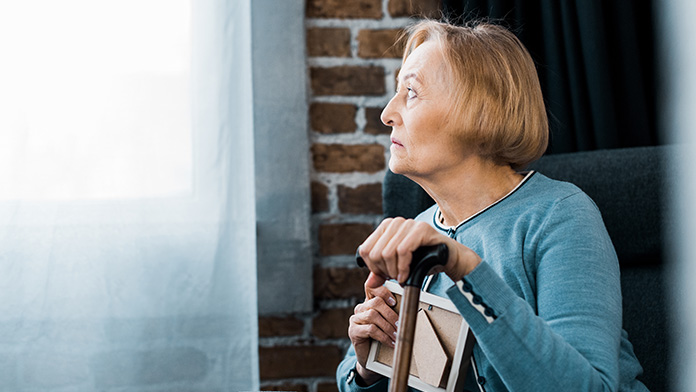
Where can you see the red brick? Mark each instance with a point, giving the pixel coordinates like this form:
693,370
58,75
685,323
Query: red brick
332,323
342,238
328,42
418,8
285,387
320,198
346,158
380,43
348,80
339,283
327,387
298,361
332,117
280,326
364,199
371,9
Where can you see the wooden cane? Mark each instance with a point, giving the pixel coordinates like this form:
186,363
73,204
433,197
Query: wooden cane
424,259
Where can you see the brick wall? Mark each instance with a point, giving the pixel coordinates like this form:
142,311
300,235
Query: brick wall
351,64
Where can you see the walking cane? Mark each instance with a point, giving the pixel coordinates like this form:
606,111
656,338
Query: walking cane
424,259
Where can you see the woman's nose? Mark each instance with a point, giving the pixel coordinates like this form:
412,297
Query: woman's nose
390,116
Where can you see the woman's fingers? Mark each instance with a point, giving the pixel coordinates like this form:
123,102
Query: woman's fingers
379,319
367,245
396,259
378,250
382,308
388,250
380,253
372,291
373,281
376,327
371,331
419,234
365,249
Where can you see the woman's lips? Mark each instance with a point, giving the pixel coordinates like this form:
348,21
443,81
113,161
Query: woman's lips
396,142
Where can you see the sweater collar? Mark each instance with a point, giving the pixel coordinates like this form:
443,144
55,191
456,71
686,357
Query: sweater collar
438,220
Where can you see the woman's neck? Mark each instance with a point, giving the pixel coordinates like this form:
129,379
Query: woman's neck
469,188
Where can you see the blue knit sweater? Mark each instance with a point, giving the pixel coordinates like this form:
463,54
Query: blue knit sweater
545,303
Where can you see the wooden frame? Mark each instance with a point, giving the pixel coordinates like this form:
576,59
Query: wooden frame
451,331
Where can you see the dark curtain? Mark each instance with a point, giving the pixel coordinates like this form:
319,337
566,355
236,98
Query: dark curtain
595,61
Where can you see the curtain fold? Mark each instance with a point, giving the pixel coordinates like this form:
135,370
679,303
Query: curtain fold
146,293
595,62
678,71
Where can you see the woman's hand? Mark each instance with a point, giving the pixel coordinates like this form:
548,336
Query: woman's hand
387,251
372,319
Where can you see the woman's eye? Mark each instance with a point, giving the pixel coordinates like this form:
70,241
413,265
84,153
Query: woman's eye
410,94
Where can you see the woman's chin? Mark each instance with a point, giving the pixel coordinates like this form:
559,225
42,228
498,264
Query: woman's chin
397,166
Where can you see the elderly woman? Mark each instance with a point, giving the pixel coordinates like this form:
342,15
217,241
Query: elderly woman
531,267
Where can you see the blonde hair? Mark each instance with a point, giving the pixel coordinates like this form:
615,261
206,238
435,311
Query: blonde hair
497,100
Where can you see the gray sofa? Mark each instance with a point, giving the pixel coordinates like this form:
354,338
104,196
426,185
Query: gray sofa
630,187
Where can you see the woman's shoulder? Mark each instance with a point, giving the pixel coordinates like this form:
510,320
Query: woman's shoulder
547,198
555,189
541,189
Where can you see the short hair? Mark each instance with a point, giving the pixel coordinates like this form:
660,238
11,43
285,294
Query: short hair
497,100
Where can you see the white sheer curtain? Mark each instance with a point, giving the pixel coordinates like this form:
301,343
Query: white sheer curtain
127,215
678,72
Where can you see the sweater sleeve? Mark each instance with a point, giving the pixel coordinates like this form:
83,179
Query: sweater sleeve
345,376
571,341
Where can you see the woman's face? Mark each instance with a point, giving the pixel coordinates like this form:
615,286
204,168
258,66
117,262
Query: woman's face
423,141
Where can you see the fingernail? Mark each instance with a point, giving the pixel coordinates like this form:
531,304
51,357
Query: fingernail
393,343
397,324
391,301
398,277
